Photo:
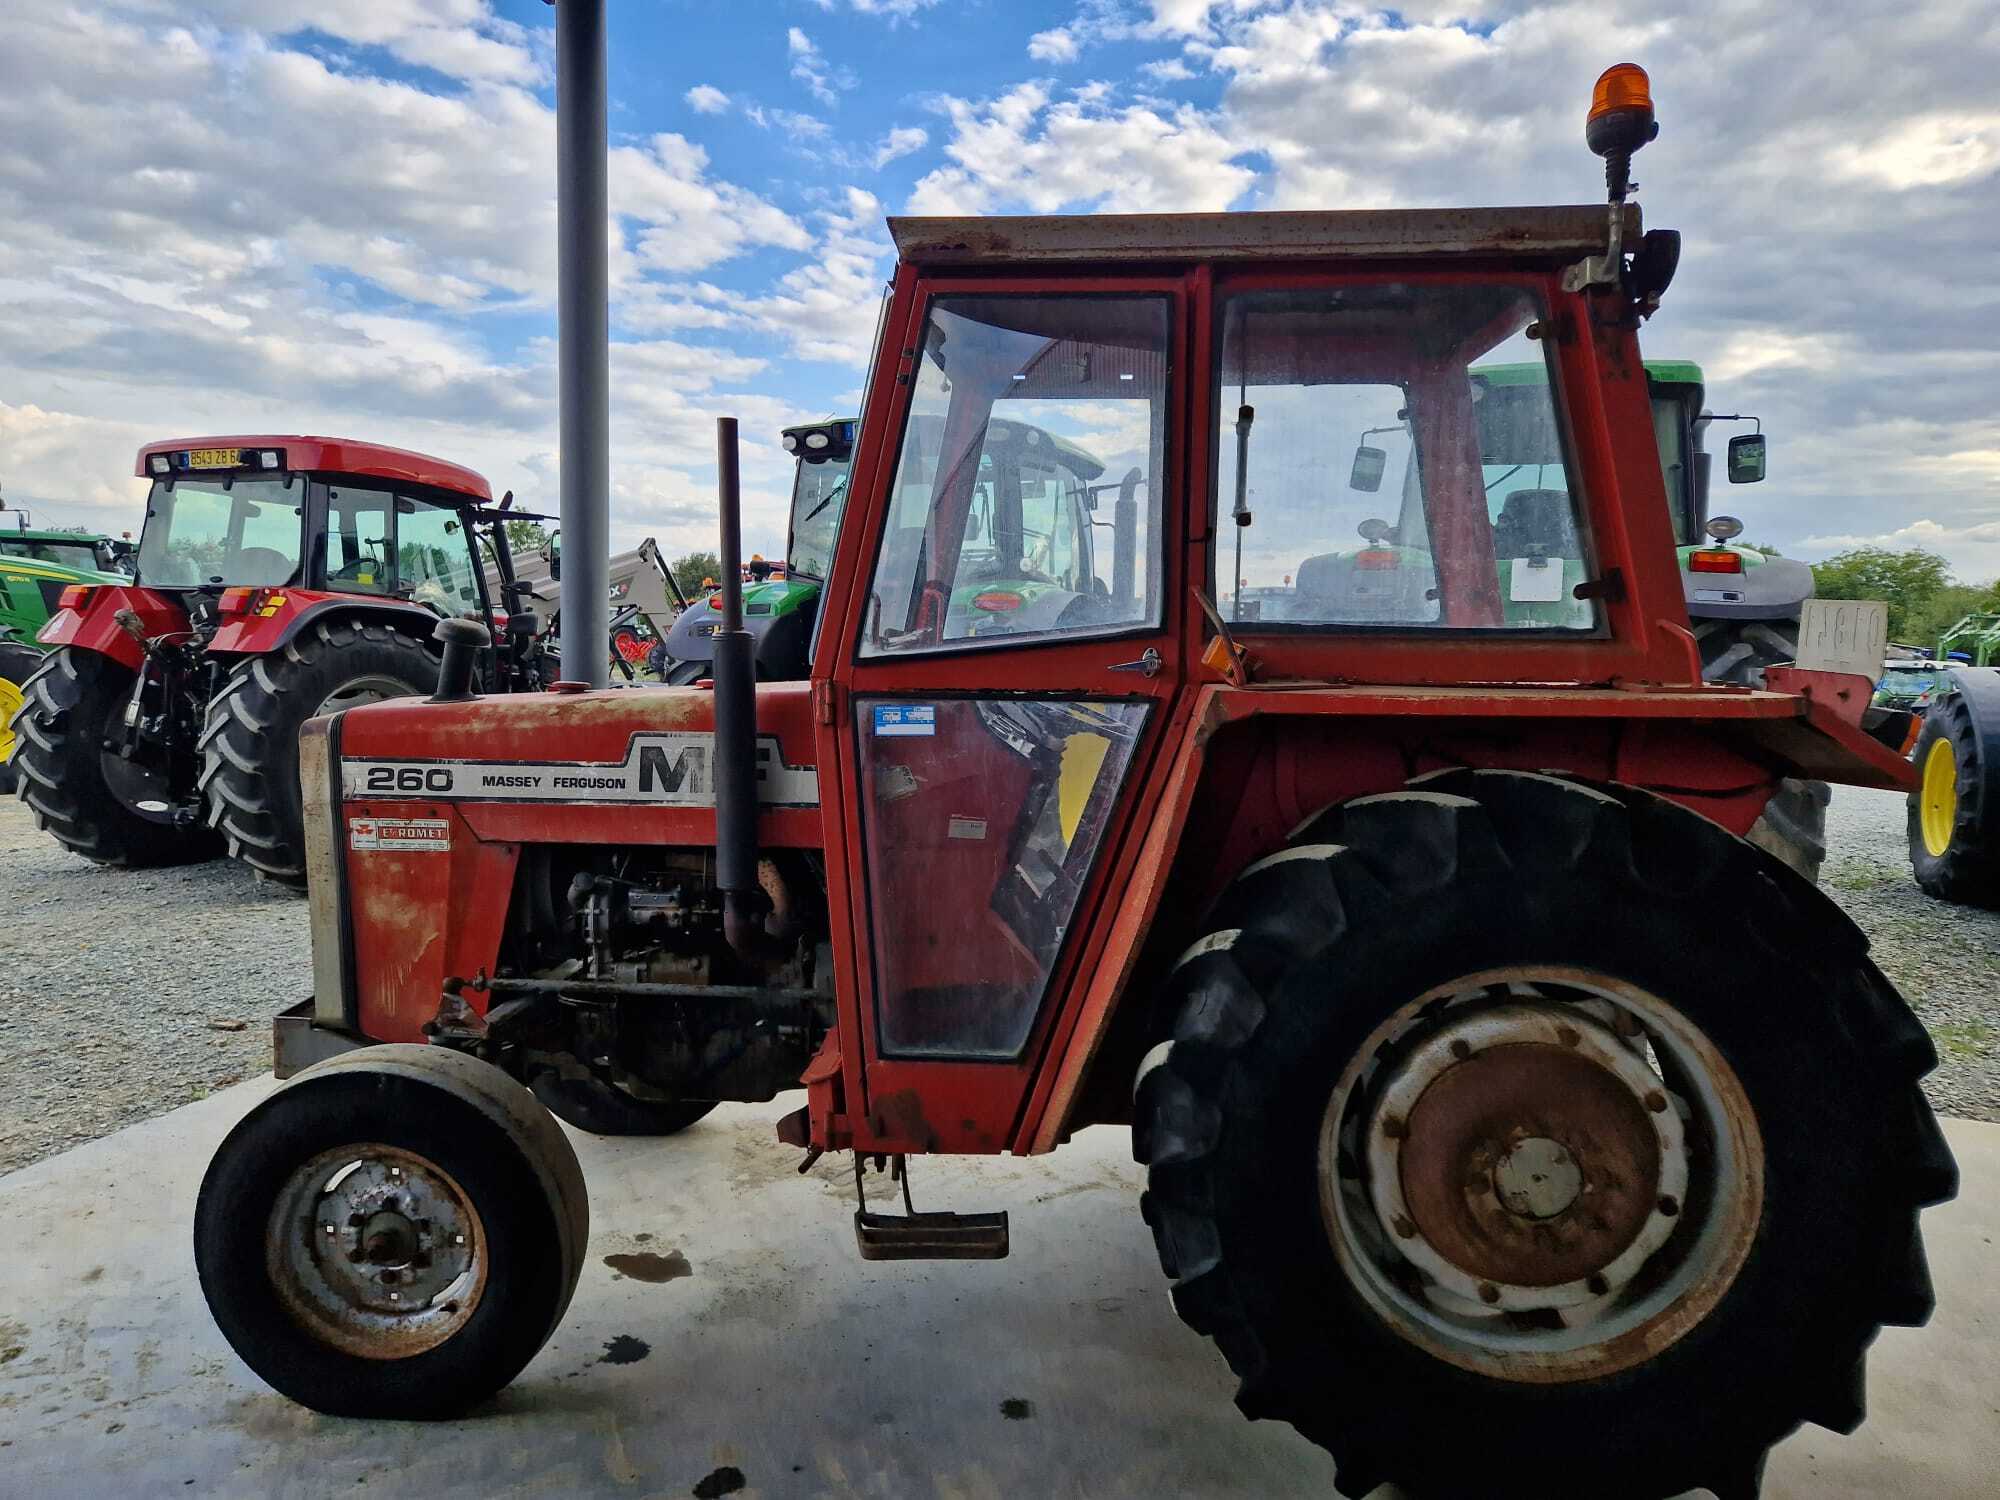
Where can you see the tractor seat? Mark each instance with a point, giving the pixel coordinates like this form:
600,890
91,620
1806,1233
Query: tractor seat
262,567
1536,523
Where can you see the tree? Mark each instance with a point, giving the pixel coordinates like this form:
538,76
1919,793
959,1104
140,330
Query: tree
689,571
1947,607
1908,582
526,538
1760,547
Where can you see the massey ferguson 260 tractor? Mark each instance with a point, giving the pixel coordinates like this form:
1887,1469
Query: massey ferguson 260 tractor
1512,1125
278,578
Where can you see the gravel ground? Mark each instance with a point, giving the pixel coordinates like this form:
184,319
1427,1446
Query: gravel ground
1944,958
113,983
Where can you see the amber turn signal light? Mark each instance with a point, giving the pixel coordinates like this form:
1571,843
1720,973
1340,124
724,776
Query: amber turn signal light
1717,561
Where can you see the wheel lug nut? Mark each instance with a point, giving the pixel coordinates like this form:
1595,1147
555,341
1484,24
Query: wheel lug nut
1670,1206
1598,1286
1394,1128
1568,1035
1461,1049
1403,1227
1488,1292
1656,1101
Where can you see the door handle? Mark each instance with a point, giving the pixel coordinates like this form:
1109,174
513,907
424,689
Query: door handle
1148,664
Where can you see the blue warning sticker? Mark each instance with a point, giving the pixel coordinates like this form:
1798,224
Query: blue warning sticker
905,719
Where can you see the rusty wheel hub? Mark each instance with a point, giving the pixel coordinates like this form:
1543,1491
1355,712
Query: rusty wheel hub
376,1251
1506,1172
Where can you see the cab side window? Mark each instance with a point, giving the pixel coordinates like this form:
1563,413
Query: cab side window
433,560
360,540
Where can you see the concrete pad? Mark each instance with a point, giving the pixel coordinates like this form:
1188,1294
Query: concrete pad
1061,1371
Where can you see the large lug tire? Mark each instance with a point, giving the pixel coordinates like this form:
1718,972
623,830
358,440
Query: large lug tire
250,744
1793,824
1453,1048
604,1109
393,1233
67,705
17,664
1954,813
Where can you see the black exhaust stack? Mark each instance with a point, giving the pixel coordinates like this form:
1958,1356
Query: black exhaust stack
463,641
733,667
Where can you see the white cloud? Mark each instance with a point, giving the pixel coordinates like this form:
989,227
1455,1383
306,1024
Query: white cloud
826,309
901,141
706,99
1936,150
810,67
1168,70
1056,45
1022,150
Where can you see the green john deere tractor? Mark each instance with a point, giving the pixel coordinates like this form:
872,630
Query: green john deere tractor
1954,816
35,567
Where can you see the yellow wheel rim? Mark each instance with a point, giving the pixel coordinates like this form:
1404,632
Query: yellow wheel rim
10,703
1938,798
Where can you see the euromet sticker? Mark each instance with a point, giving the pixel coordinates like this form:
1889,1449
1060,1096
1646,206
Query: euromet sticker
405,835
892,719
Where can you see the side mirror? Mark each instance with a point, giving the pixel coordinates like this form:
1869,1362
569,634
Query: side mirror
555,554
1369,466
1374,532
1746,458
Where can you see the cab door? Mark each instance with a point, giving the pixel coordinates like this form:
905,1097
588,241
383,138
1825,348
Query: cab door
1002,683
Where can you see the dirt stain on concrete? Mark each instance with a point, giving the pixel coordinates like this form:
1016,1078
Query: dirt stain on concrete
625,1350
726,1480
13,1340
650,1265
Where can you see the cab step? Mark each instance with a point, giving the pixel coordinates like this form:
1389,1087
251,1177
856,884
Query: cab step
931,1236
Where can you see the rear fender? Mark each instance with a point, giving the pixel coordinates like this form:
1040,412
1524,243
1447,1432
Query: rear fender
95,627
1252,767
256,635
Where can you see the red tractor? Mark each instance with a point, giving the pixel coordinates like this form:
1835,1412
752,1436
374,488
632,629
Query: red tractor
1498,1099
278,578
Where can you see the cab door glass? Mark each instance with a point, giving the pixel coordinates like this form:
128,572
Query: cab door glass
1026,497
981,819
360,540
433,558
1399,454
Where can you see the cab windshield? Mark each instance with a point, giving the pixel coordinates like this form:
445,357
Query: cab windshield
222,531
819,495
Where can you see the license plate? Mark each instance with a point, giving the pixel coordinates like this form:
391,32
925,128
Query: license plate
215,458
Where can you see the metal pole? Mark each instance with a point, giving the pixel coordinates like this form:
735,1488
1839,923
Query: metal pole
584,350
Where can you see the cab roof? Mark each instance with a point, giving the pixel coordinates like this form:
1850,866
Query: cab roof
340,456
1552,235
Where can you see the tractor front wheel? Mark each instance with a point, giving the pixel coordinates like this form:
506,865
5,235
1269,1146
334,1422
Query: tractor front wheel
93,801
393,1233
1523,1137
250,745
605,1109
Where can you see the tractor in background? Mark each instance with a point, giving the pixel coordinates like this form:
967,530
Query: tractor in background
1954,812
277,577
35,567
779,611
1379,932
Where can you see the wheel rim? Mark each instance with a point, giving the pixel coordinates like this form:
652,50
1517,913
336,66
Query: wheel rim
359,690
10,704
376,1251
1540,1173
1938,797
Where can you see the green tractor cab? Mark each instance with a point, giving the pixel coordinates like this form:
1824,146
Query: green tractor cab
35,568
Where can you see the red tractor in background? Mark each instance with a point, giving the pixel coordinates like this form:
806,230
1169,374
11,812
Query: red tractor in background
278,577
1511,1123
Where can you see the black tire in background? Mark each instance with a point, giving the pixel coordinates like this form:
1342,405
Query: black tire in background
1382,901
1966,722
68,705
18,663
250,744
511,1163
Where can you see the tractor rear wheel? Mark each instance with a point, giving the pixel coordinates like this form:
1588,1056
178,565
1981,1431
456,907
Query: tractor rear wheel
1954,814
393,1233
17,664
1486,1185
250,745
73,785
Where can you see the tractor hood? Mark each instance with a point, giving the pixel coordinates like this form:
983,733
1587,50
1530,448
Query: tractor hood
1766,588
615,748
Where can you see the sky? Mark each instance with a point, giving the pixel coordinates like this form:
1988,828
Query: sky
337,216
